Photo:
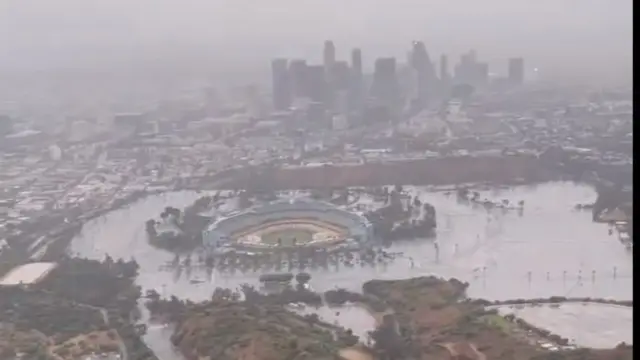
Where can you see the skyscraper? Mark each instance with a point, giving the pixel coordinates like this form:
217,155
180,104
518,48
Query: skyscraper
329,55
340,75
481,74
464,70
356,87
470,71
419,56
280,84
384,88
384,74
425,73
356,61
329,61
444,68
297,78
472,55
516,71
317,83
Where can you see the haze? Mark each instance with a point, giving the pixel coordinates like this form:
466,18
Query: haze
575,38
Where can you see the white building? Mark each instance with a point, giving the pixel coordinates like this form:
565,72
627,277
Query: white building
27,274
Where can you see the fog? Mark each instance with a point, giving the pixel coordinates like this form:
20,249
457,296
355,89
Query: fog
575,38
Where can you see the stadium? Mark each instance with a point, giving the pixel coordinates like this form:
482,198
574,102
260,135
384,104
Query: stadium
286,224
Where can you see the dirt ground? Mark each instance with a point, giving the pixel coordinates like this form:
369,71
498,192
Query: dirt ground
353,353
241,331
95,342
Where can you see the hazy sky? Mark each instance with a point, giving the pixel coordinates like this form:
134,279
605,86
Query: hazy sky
578,36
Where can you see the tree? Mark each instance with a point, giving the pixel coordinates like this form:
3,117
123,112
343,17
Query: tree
108,260
387,342
152,295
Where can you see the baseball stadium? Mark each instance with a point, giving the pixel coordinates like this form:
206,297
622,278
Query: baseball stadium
286,224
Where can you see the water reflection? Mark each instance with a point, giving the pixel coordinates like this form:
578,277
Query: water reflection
589,325
550,250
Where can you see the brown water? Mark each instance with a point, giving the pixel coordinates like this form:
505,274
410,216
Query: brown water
550,250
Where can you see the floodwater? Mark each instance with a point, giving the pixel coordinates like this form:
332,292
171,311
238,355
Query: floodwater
350,316
551,249
586,324
158,337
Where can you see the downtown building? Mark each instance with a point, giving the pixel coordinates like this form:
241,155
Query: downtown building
425,80
281,86
516,71
470,71
385,89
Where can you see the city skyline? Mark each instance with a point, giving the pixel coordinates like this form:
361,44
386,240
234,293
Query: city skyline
418,82
551,35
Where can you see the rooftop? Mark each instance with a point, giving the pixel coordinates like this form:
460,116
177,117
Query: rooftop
27,273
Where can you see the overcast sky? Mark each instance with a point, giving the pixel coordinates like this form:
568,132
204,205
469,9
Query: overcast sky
578,36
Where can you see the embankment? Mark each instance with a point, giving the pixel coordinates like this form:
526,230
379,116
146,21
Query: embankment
428,171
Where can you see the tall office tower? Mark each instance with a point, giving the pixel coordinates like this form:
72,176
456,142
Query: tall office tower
472,55
444,68
516,71
356,61
466,69
280,84
384,88
466,59
481,74
425,73
297,78
356,86
329,55
317,83
444,76
329,59
419,56
340,74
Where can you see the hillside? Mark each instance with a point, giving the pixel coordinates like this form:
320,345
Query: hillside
242,331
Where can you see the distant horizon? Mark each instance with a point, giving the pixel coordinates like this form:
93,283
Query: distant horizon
204,66
590,39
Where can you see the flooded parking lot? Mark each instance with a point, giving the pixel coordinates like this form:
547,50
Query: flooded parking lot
551,249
